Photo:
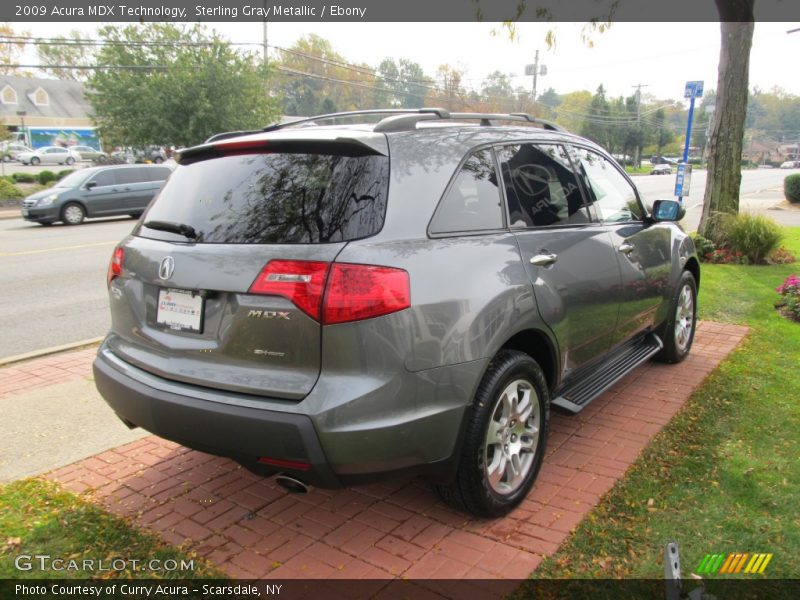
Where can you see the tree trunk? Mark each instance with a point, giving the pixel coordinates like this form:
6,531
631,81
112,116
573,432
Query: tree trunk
727,131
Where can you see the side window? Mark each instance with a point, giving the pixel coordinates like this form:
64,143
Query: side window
104,178
611,194
133,175
155,174
541,188
473,201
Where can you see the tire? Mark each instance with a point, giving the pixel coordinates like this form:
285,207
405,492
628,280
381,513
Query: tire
158,160
73,213
486,484
35,161
678,331
69,162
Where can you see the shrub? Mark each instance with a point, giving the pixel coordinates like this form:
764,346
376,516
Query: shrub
61,174
8,191
781,256
45,177
791,187
754,236
23,177
703,245
789,304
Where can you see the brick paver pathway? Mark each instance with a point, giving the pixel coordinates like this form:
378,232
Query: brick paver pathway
251,528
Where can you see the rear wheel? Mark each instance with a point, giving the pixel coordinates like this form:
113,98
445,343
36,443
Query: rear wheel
678,331
505,438
73,213
70,161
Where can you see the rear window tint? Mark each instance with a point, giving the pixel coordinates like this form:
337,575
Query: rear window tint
279,198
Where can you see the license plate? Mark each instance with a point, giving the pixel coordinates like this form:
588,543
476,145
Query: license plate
180,310
24,212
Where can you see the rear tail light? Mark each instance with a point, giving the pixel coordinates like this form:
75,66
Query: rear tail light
301,281
337,293
357,292
115,266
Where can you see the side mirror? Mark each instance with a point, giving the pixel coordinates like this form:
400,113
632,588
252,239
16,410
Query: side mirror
91,185
667,210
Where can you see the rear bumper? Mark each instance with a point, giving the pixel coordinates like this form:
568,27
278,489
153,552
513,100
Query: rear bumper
349,431
238,432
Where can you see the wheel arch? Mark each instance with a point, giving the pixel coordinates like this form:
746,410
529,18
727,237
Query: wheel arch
693,266
538,345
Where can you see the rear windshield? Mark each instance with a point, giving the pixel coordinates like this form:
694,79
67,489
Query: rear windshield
276,198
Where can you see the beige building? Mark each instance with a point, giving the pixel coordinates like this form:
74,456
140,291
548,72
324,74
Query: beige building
43,102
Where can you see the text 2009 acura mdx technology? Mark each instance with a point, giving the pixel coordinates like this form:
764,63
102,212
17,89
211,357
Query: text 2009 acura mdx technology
345,302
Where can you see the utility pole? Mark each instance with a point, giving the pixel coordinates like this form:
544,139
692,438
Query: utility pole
264,37
636,157
535,74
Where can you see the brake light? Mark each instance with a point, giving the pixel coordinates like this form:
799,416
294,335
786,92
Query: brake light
115,265
356,292
352,292
301,281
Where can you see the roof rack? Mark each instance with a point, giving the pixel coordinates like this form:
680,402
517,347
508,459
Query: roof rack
405,119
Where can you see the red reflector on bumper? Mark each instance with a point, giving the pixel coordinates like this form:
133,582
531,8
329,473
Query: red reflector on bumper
285,464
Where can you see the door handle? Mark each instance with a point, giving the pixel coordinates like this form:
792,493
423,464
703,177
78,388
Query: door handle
543,260
626,247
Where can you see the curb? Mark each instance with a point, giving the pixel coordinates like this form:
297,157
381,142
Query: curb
10,214
51,350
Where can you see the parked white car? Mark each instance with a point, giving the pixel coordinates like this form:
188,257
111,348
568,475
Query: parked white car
49,155
790,164
664,169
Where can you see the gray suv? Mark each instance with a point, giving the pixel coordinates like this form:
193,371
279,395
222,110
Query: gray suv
344,302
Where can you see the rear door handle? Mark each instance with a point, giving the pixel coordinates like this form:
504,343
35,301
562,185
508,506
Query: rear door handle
626,247
543,260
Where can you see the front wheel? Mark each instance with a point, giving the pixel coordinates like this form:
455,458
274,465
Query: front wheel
73,214
505,438
678,331
35,161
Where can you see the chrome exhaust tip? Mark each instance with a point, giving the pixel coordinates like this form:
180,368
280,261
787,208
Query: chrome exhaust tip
291,485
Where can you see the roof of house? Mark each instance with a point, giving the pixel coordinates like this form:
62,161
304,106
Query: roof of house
66,99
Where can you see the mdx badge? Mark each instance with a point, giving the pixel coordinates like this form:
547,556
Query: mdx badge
166,268
268,314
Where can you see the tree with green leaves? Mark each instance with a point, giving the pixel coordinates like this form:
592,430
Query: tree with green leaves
174,84
401,83
61,55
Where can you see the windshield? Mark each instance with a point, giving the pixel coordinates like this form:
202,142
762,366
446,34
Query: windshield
73,179
275,198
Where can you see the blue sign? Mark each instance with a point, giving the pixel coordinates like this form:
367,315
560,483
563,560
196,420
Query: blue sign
683,180
694,89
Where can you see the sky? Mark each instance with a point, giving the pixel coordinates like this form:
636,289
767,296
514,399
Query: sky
660,56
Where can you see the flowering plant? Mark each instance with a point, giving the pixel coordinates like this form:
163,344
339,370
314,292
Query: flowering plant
726,256
789,304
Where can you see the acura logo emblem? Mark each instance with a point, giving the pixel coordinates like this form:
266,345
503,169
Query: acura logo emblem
166,268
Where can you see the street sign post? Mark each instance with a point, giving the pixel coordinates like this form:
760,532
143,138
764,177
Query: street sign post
683,180
694,89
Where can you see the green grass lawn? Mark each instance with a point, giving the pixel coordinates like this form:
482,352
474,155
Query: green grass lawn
37,518
724,475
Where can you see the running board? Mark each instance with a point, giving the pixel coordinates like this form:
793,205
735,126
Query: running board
574,397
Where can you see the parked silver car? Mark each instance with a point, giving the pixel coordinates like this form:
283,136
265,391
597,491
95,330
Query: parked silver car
49,155
345,303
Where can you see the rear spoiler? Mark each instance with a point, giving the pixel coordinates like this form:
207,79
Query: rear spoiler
223,145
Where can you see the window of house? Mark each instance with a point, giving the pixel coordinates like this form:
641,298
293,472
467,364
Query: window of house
9,95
